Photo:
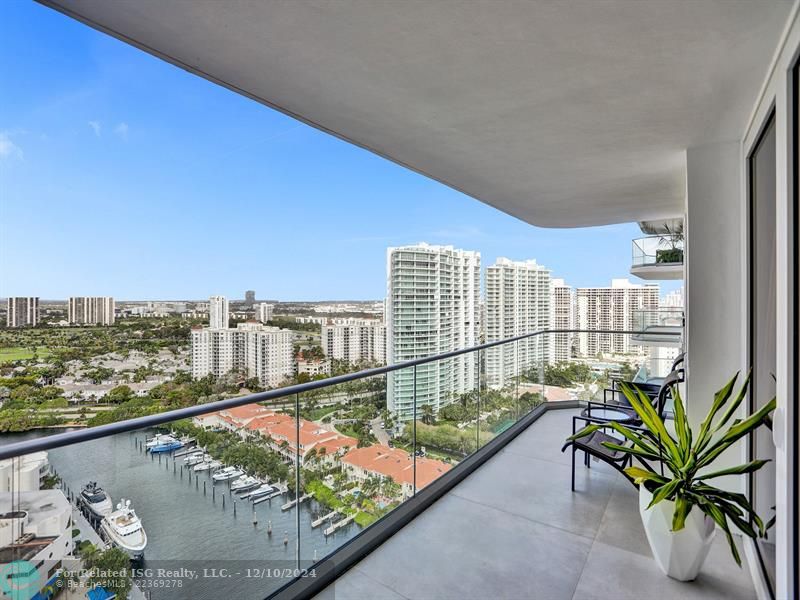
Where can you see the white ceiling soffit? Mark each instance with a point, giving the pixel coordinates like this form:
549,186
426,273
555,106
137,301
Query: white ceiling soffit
563,114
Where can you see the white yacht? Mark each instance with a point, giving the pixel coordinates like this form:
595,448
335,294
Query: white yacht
124,528
193,459
207,465
227,473
245,483
96,501
160,439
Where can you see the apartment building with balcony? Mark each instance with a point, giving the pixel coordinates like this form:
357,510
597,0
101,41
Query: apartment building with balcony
251,348
432,306
90,310
569,114
22,311
264,312
562,317
611,308
218,312
518,301
355,340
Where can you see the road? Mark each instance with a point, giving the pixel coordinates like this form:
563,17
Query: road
379,432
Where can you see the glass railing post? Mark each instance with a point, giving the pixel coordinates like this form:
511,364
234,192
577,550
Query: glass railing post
516,380
478,405
414,432
297,475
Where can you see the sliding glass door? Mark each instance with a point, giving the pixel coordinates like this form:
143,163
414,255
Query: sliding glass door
762,325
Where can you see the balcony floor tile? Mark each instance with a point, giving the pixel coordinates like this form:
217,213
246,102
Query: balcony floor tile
513,529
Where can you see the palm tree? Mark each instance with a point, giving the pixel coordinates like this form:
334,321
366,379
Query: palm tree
428,415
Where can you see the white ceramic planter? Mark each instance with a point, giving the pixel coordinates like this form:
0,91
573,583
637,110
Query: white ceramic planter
678,554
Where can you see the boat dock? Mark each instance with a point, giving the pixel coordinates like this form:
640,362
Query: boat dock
339,524
321,520
186,451
291,503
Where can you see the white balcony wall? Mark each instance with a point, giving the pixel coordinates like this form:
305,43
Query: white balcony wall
714,276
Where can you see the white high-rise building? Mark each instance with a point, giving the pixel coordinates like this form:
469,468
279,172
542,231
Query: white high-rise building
218,312
562,307
91,310
612,308
432,306
264,312
673,299
355,341
517,303
22,312
252,348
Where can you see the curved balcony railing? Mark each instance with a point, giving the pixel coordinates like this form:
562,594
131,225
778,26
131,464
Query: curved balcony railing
663,249
359,471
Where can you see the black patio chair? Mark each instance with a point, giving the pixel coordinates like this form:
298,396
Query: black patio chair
658,399
592,445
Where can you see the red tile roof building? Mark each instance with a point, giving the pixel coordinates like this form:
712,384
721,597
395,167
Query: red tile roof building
392,463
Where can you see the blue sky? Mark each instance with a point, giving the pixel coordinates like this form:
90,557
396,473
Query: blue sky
122,175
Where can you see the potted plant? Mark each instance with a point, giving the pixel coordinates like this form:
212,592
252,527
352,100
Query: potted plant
678,505
673,240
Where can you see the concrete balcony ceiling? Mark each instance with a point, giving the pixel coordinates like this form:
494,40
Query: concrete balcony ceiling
563,114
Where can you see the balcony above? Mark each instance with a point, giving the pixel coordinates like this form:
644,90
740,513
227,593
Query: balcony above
659,327
513,529
658,257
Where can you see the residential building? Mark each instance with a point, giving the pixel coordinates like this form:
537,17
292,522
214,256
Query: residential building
313,368
90,310
517,303
264,312
36,532
432,306
24,474
280,431
392,464
612,308
250,297
251,348
218,312
562,307
673,299
22,312
355,341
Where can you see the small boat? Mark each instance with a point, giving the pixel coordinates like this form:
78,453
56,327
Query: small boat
262,490
207,465
160,438
96,500
167,446
227,474
124,528
193,459
244,484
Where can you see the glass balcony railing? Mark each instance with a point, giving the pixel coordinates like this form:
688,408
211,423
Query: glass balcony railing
264,490
647,318
662,250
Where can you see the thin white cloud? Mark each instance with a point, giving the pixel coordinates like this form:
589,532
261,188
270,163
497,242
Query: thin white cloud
122,131
95,125
8,149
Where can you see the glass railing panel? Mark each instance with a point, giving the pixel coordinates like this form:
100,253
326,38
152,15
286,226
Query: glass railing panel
445,428
660,249
195,506
356,461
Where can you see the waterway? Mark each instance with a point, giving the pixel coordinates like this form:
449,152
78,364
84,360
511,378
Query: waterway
208,552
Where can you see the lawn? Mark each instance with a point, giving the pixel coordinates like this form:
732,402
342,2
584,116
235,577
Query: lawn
20,353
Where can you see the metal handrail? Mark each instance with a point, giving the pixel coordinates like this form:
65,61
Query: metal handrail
92,433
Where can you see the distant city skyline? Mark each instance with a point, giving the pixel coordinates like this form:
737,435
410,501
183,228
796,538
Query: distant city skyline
194,191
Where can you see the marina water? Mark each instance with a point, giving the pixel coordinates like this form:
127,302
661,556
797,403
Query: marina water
230,556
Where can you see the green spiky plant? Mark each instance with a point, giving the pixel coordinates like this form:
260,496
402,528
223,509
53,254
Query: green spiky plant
686,458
